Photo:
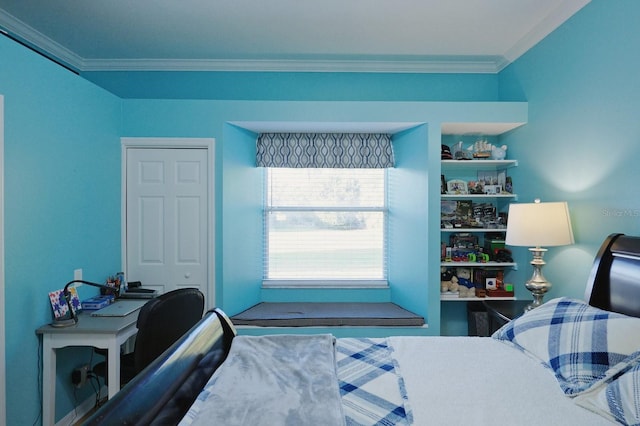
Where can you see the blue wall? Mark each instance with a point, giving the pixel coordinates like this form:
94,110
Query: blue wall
239,184
62,210
62,160
299,86
581,143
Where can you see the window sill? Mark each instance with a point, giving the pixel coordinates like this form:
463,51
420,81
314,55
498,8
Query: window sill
325,284
327,314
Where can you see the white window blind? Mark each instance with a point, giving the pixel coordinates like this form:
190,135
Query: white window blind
325,226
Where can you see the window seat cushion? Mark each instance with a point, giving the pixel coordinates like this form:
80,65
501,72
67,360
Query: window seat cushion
327,314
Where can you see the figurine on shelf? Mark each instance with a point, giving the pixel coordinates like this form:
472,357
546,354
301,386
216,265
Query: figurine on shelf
458,152
499,152
448,281
445,153
481,149
465,285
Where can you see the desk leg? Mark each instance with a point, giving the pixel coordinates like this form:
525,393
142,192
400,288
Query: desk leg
48,381
113,362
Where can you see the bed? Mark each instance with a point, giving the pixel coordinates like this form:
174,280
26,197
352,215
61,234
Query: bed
568,362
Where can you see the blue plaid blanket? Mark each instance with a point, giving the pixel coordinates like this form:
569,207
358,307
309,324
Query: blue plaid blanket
372,389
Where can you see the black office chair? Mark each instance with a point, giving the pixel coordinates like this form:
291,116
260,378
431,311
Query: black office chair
161,322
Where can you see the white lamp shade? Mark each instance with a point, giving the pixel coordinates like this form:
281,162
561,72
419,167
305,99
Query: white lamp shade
539,224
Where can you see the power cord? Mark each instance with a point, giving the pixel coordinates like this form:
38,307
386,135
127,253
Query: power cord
94,379
95,385
75,406
39,369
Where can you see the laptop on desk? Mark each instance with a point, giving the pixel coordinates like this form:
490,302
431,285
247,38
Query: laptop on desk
120,308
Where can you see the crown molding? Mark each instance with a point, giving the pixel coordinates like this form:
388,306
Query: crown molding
437,64
554,19
423,65
37,41
22,32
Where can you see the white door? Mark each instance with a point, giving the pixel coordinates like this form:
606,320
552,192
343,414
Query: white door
167,210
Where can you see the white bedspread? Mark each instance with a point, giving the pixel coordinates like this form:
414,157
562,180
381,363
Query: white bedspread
476,381
480,381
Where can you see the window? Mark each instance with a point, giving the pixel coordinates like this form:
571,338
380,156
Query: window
325,226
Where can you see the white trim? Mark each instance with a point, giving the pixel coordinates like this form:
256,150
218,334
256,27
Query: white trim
428,64
435,64
325,284
479,64
78,412
51,49
203,143
554,19
3,336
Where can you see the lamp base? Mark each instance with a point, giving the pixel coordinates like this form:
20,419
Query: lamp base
537,301
538,284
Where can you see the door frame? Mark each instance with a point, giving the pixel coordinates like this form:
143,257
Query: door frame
180,143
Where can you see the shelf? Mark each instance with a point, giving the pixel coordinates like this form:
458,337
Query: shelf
478,164
464,170
477,196
455,298
473,230
479,264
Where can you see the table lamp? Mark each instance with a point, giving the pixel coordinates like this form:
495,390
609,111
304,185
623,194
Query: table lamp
535,225
73,318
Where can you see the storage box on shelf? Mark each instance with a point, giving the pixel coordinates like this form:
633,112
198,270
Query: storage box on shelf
475,196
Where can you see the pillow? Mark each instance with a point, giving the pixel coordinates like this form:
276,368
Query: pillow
617,400
581,344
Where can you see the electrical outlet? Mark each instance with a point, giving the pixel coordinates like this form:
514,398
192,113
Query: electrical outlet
79,376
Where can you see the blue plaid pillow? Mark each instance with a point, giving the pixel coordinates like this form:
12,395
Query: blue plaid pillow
618,400
581,344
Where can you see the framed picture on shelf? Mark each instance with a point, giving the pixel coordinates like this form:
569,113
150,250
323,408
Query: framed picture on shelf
502,178
457,187
464,211
488,177
448,209
493,189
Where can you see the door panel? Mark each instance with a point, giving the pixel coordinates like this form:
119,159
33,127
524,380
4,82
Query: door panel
167,225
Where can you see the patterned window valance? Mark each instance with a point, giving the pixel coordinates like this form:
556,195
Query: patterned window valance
324,150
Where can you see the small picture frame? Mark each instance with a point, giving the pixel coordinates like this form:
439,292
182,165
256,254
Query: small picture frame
488,177
59,302
502,178
457,187
493,189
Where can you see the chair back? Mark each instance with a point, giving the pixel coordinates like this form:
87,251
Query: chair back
163,320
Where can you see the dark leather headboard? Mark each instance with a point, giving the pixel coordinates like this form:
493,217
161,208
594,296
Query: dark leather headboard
163,392
614,283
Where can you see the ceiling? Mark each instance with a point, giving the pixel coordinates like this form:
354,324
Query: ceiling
473,36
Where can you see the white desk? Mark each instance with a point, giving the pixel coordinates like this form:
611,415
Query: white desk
100,332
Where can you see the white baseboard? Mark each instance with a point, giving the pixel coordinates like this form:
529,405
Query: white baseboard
81,410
